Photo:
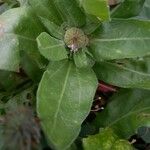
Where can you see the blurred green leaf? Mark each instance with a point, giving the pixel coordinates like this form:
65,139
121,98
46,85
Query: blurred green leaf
46,9
126,112
18,30
105,140
127,9
145,13
71,12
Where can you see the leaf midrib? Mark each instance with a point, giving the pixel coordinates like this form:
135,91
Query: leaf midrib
121,39
60,98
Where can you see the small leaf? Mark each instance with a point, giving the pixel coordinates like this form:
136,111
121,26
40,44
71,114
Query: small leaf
125,73
64,99
105,140
81,59
99,8
127,9
71,12
52,28
126,112
18,30
51,48
121,39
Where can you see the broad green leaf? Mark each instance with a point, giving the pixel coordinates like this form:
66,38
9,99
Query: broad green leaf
121,39
71,12
52,28
145,13
81,59
98,8
105,140
18,30
127,9
126,112
46,9
64,99
125,73
51,48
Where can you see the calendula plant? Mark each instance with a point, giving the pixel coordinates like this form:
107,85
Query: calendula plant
63,48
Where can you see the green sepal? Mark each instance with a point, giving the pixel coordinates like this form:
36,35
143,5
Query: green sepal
82,60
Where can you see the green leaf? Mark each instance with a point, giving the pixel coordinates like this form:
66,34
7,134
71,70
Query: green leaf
81,59
18,30
51,48
127,9
98,8
71,12
122,145
52,28
46,9
105,140
9,52
126,112
64,99
145,13
125,73
121,39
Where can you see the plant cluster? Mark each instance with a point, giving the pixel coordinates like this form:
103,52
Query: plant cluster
55,56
